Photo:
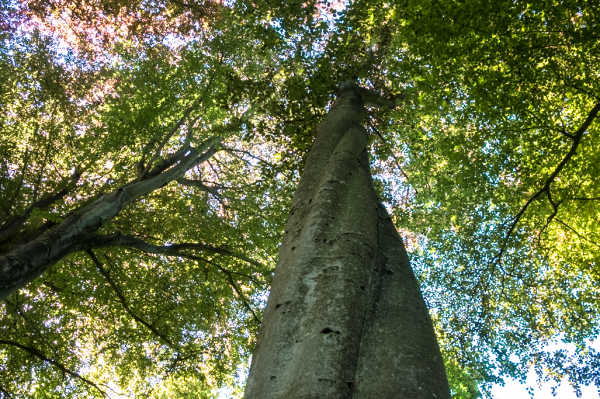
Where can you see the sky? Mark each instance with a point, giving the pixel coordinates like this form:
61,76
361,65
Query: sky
515,390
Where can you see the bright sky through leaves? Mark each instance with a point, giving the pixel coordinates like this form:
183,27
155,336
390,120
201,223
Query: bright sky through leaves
489,165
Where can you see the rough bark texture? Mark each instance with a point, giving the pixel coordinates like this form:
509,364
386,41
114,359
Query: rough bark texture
345,317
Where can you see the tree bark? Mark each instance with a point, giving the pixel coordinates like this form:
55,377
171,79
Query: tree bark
345,317
26,262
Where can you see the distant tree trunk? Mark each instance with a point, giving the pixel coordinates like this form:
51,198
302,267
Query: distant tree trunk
345,317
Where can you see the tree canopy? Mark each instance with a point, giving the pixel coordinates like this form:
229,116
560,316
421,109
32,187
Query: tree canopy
489,164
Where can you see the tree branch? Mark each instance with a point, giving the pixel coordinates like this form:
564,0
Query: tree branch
123,300
60,366
584,199
197,183
173,130
240,294
9,227
118,240
577,136
26,262
230,278
173,250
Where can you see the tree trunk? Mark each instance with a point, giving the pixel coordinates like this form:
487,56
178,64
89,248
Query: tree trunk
345,317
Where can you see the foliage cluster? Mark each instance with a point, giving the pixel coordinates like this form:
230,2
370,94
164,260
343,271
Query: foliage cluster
489,165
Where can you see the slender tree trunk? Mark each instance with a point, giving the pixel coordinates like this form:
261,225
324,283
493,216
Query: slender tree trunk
345,317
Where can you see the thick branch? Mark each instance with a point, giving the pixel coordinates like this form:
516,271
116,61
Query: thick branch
207,148
26,262
60,366
124,301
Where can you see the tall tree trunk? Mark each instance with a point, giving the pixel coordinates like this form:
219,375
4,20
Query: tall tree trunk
345,317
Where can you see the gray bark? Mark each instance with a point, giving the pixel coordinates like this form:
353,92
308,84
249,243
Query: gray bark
25,262
345,317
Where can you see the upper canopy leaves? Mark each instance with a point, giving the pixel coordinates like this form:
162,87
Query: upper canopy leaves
489,164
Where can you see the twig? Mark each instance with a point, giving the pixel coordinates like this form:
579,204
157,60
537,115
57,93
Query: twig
577,136
41,356
123,300
577,233
585,199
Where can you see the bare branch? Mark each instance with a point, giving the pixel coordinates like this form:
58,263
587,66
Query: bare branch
118,240
59,365
577,136
124,301
577,233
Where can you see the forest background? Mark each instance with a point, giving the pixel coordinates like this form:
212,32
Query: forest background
489,166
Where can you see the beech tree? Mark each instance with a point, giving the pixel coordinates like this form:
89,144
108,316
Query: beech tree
488,168
345,316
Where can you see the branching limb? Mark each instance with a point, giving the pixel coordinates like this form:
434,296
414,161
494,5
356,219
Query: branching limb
173,250
118,240
26,262
173,130
577,136
58,365
8,228
105,273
